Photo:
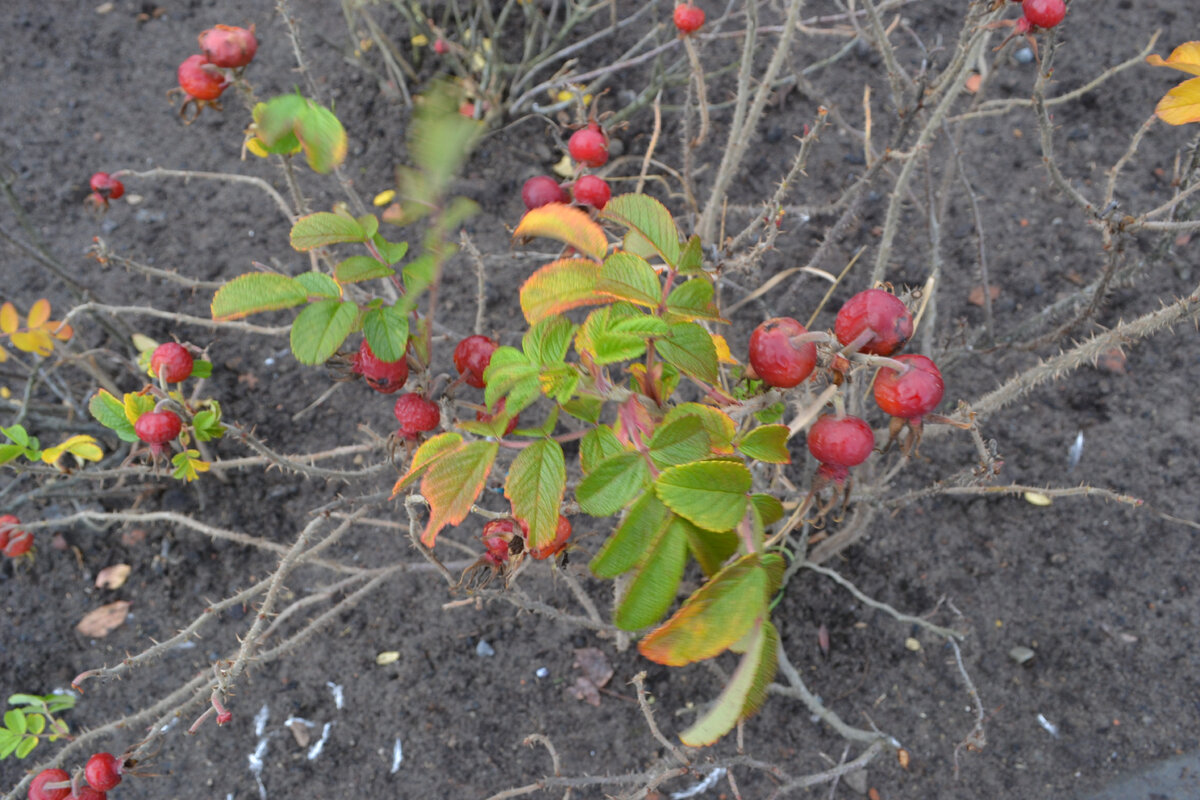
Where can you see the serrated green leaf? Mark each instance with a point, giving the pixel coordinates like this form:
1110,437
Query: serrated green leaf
26,746
720,426
679,442
256,292
318,284
320,329
770,414
642,524
693,300
426,454
369,224
610,348
15,721
656,581
110,412
391,251
690,348
712,494
548,341
386,329
598,444
769,509
361,268
743,693
629,277
767,443
188,465
612,485
711,549
509,374
560,286
559,382
322,136
325,228
649,218
535,484
585,407
692,257
452,483
201,369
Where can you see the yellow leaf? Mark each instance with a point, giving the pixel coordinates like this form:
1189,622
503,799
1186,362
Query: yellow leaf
143,343
384,197
256,147
10,320
39,313
566,224
1037,499
1181,105
387,657
565,168
3,355
420,40
81,446
723,354
1185,58
35,341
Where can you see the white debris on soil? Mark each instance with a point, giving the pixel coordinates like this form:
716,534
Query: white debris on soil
1075,452
709,782
260,720
542,672
257,759
316,749
1050,727
171,724
339,696
397,756
484,649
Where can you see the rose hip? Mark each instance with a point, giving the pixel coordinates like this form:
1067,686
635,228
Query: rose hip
775,359
385,377
542,190
840,443
877,319
472,356
913,394
172,361
229,46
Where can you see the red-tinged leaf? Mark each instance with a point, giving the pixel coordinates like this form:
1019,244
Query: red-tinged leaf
743,694
650,218
566,224
720,426
656,581
535,485
560,286
426,454
716,616
452,484
767,443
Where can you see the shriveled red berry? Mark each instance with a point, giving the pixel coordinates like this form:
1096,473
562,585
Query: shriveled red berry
18,544
777,361
106,186
541,190
840,443
385,377
589,146
472,356
912,394
591,190
156,428
172,361
688,18
497,536
103,771
561,534
228,46
200,79
483,416
37,790
880,314
416,415
1044,13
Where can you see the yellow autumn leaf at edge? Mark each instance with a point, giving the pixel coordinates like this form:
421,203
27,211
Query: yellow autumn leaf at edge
1181,105
1185,58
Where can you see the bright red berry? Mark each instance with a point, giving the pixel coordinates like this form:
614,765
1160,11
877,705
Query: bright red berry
200,79
688,18
589,146
840,443
18,544
384,377
472,356
156,428
416,415
87,793
1044,13
912,394
561,534
483,416
8,522
541,190
593,191
879,314
777,361
172,361
37,790
103,771
228,46
107,186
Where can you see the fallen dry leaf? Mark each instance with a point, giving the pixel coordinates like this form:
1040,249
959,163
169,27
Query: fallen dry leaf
102,621
594,665
585,690
975,296
299,732
113,577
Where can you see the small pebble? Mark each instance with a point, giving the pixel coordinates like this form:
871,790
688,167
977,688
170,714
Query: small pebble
912,644
1024,56
1021,655
542,672
484,650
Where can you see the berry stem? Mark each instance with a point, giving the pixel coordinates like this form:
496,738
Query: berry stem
881,361
810,336
858,342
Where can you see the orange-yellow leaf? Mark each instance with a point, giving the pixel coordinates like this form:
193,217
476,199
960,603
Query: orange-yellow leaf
723,354
452,484
426,454
1185,58
10,320
35,341
1181,105
60,330
39,313
566,224
559,286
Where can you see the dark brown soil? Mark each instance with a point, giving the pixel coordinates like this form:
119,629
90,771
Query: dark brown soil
1102,593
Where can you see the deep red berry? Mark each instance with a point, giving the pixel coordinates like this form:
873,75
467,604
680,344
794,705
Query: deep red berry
440,47
156,428
561,534
172,361
19,543
37,790
385,377
199,79
593,191
876,313
777,361
589,146
228,46
472,356
106,186
416,415
497,536
103,771
1044,13
840,443
688,18
8,524
911,394
541,190
483,416
87,793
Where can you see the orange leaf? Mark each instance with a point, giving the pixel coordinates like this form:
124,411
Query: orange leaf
60,330
39,313
559,286
452,484
1181,105
566,224
1185,58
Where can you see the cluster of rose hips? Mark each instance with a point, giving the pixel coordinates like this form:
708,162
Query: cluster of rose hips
875,323
102,773
202,77
13,542
588,147
173,363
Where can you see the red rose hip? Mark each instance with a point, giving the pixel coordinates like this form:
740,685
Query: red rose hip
472,356
156,428
542,190
913,394
416,415
103,771
172,361
877,319
589,146
37,790
385,377
775,359
229,46
106,186
200,80
593,191
688,18
1044,13
561,534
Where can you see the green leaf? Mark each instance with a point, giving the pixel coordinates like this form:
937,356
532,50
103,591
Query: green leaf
716,616
322,136
26,746
325,228
391,251
420,273
770,414
15,721
743,694
653,587
369,224
642,524
612,485
679,442
711,549
27,699
535,484
431,451
361,268
767,443
201,369
560,286
720,426
318,284
548,341
769,509
510,374
690,348
9,452
597,445
110,412
35,723
386,329
188,465
692,257
207,423
320,329
622,338
440,138
275,120
17,433
629,277
693,300
712,494
452,484
255,292
649,218
584,407
558,382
